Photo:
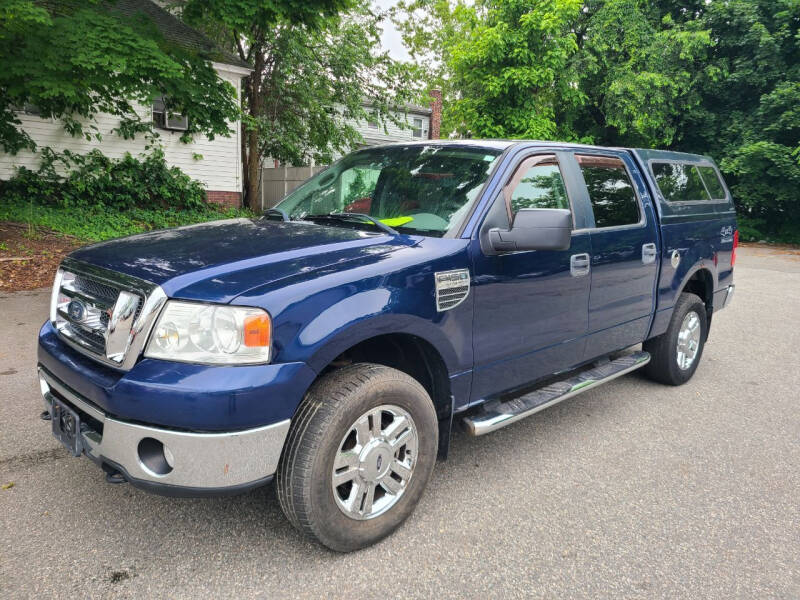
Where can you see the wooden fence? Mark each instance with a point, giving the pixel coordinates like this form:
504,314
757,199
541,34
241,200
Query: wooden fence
277,182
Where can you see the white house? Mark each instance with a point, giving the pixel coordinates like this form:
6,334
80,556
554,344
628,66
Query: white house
216,163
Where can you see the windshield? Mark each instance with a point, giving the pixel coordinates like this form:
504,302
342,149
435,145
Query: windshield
416,188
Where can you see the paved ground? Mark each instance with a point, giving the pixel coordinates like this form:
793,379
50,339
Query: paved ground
631,490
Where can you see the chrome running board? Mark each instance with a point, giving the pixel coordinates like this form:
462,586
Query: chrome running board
499,414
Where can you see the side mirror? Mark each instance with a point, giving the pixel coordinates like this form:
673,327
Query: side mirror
535,229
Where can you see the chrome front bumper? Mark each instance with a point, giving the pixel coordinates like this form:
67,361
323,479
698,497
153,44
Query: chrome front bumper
172,462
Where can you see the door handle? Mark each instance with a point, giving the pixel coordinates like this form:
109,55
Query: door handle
579,264
649,254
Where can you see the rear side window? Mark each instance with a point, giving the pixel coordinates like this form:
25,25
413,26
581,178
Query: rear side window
679,182
610,191
713,184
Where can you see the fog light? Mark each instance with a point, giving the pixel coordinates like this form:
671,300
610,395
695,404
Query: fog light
153,457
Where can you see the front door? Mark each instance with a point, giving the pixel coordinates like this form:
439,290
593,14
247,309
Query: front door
625,252
531,307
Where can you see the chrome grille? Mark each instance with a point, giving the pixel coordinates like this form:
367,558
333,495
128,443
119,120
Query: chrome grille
102,313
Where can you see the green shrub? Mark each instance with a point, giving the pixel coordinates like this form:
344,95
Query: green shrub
95,198
72,180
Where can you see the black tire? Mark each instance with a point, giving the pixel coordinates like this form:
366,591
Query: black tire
663,366
329,410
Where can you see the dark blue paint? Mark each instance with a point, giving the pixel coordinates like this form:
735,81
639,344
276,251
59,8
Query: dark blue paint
181,395
328,288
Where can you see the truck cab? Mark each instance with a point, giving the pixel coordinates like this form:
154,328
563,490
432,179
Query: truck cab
333,344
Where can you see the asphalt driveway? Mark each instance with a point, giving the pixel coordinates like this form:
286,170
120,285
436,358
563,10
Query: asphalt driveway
631,490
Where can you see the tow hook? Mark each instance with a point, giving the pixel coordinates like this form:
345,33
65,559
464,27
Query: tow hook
115,477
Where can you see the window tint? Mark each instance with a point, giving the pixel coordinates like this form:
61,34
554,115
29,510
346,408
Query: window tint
610,191
679,182
541,186
714,185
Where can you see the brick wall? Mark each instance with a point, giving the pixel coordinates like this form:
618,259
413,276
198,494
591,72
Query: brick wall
436,114
224,198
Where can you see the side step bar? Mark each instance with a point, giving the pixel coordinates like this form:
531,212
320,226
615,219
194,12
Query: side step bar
499,414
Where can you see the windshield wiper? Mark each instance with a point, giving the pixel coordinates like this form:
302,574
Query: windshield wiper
349,216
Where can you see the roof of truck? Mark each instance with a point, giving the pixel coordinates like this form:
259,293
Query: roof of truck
645,154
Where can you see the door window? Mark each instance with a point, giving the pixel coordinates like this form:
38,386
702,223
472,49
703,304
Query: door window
611,192
537,184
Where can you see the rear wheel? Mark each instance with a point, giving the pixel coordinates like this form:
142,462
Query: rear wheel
358,456
676,354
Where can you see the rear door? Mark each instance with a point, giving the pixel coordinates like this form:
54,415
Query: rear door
531,307
625,251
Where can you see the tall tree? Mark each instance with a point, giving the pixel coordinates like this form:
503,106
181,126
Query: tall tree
511,70
638,70
72,60
311,79
748,114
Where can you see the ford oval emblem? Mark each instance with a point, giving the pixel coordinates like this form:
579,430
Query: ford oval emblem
380,461
75,310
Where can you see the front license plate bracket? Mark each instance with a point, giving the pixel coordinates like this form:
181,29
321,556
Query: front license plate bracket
67,427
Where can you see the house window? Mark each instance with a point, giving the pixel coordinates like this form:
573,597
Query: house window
27,108
164,119
419,128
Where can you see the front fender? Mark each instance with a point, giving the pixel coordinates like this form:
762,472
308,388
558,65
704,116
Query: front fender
318,316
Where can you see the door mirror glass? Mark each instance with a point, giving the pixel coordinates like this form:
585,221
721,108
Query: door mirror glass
535,229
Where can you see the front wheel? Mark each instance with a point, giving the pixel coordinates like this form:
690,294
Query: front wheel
676,353
358,456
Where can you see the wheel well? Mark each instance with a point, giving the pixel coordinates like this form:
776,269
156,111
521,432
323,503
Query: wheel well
701,283
403,352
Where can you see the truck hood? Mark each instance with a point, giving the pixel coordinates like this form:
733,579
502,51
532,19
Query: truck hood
220,260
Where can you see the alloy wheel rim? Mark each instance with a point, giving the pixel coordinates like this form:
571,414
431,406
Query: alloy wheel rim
688,340
374,462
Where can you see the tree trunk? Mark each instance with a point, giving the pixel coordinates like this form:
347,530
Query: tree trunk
253,173
250,147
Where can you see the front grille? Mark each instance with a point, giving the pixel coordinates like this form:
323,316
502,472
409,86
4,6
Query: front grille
95,288
85,304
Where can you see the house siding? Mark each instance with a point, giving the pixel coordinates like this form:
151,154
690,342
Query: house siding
218,170
392,132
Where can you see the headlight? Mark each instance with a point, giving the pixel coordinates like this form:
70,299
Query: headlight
211,334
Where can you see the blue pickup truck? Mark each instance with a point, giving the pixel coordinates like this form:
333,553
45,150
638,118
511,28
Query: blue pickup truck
332,343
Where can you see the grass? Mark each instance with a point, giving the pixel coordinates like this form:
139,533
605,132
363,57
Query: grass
102,223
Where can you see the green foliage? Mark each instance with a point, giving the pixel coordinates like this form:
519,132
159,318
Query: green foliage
68,180
76,59
94,197
101,222
511,70
311,79
638,70
718,78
